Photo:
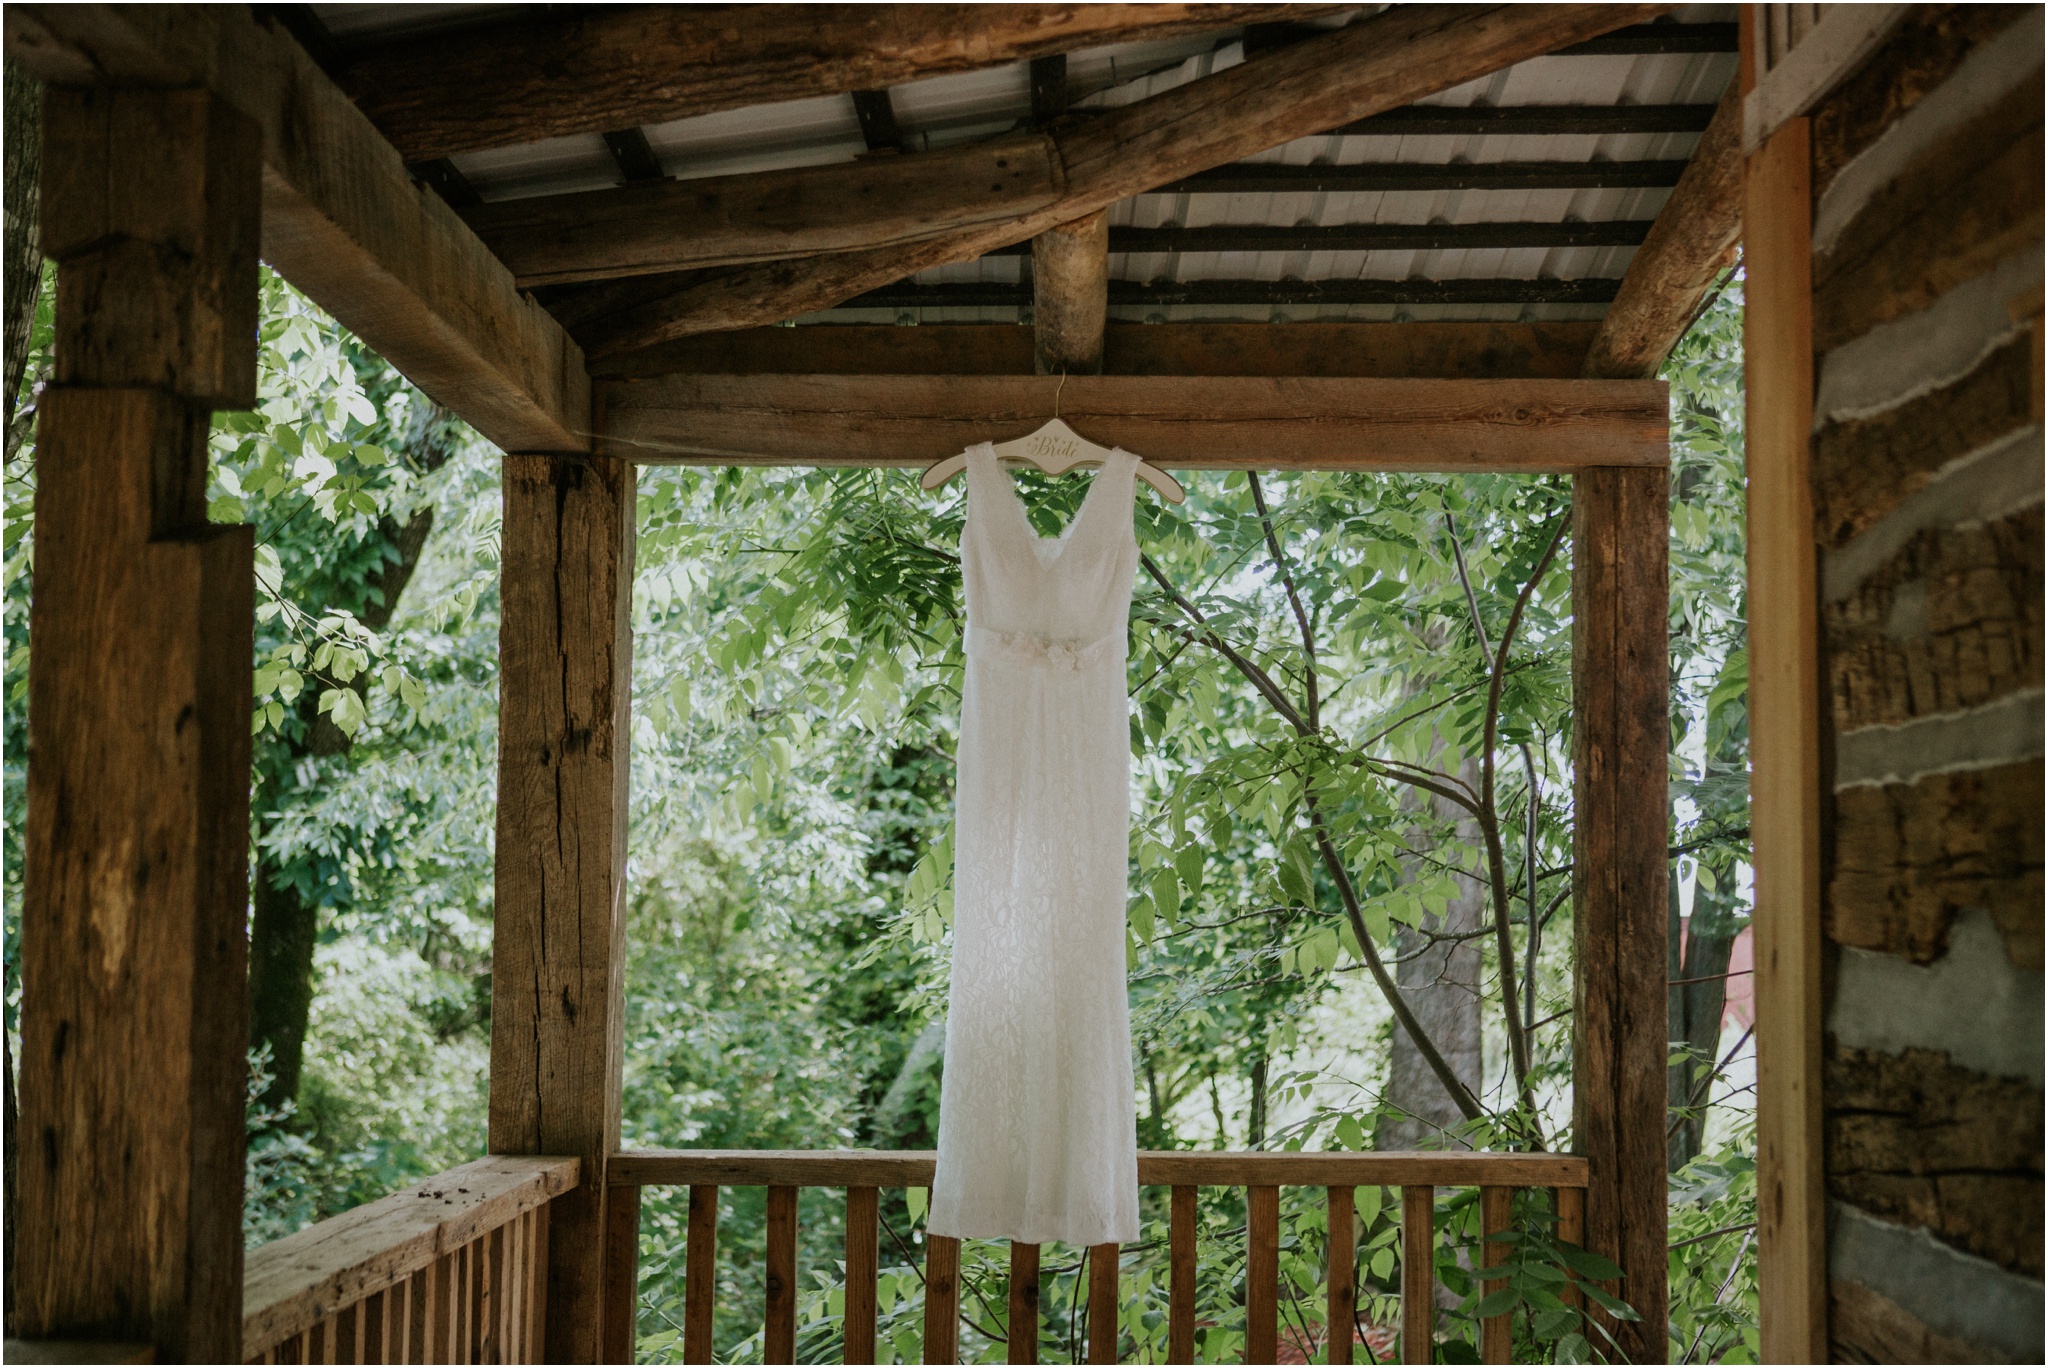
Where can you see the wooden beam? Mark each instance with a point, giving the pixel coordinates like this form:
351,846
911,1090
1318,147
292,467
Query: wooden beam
1070,296
1263,293
557,1008
135,873
1538,120
1370,66
1436,351
1787,716
1190,423
1276,178
1621,530
342,219
591,70
1694,238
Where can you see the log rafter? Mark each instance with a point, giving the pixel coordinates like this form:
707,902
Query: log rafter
1366,68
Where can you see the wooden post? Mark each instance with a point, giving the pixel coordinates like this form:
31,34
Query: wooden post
1070,296
557,990
134,956
1786,737
621,1273
1620,706
1418,1275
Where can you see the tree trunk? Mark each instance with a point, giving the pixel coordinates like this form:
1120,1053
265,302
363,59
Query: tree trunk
24,266
1258,1117
1698,997
1442,984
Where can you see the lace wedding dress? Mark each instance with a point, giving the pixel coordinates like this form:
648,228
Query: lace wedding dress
1037,1109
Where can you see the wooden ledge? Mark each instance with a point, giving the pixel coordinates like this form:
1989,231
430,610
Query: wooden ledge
1156,1168
1187,422
292,1284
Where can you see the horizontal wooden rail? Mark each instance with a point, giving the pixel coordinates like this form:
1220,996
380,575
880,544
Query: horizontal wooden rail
861,1172
453,1270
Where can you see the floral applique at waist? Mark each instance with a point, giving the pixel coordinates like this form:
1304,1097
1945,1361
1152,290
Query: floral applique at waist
1021,648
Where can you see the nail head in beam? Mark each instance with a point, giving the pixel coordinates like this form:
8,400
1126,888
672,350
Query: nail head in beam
862,1258
1023,1326
778,1338
634,155
700,1274
1262,1274
941,1299
1418,1275
1181,1260
1104,1303
1341,1257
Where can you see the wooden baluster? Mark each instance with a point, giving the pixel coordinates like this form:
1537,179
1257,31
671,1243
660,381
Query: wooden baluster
1262,1275
537,1288
700,1274
1496,1205
292,1350
1180,1254
779,1335
1023,1302
370,1343
862,1257
1341,1253
1418,1275
319,1343
347,1335
518,1251
941,1299
1571,1229
621,1301
490,1309
441,1312
419,1298
1103,1302
477,1309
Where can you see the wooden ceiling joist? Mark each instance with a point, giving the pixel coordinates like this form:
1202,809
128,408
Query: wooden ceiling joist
1187,422
1370,66
1272,178
577,70
1538,120
1693,239
1257,293
342,220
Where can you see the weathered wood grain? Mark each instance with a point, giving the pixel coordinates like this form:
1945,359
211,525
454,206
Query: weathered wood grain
760,216
1175,1168
622,1273
1104,1302
778,1335
1366,68
590,71
127,1209
294,1283
1621,532
941,1299
1437,351
862,1266
700,1286
1693,239
1785,694
1496,1206
1262,1274
342,218
564,651
1215,424
1070,295
1022,1328
1340,1259
1182,1257
1418,1274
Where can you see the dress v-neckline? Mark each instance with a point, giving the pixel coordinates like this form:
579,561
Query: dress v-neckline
1057,544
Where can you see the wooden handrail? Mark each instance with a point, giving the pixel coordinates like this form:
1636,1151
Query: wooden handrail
458,1257
1156,1168
1262,1174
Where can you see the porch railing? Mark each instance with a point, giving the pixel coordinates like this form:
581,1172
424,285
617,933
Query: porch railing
1262,1175
453,1270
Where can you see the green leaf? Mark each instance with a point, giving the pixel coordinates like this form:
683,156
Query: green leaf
916,1199
1587,1264
1498,1303
1141,919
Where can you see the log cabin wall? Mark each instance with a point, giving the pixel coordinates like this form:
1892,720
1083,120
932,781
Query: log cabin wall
1926,472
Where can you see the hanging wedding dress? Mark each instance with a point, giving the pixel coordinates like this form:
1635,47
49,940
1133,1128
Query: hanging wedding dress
1037,1112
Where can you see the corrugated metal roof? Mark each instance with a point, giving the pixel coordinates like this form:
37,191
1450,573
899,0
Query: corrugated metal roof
973,105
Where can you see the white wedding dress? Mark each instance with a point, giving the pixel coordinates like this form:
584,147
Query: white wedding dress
1037,1108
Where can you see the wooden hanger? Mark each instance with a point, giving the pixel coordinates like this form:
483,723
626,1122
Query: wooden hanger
1055,449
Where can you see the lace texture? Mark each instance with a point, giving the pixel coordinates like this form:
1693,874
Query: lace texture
1037,1108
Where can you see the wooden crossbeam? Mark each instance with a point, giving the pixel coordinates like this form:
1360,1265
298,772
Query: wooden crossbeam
1197,423
1242,178
1432,351
1377,64
1591,290
1081,166
1692,240
342,219
588,70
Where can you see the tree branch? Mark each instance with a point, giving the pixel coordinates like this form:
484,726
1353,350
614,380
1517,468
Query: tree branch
1308,640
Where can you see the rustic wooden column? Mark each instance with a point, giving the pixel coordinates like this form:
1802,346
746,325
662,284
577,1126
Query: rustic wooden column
1620,722
136,865
565,682
1070,296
